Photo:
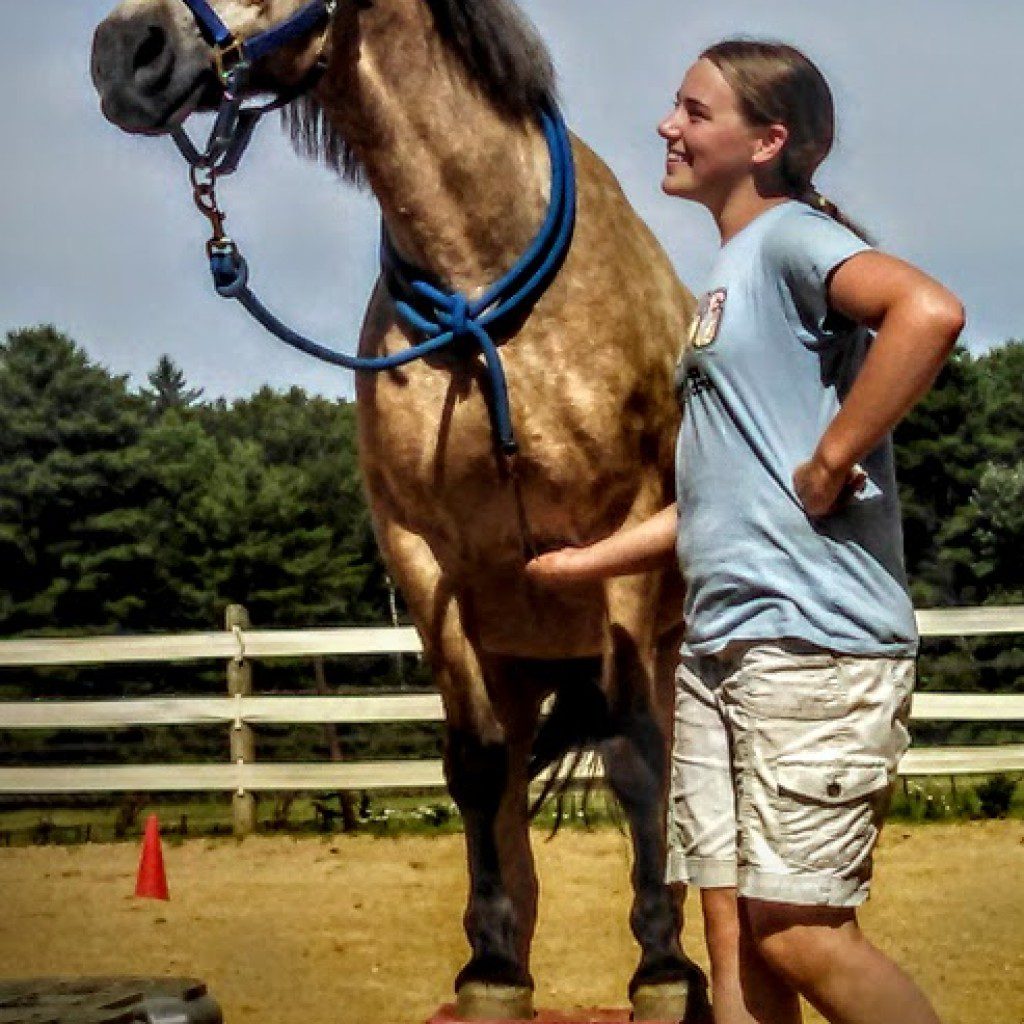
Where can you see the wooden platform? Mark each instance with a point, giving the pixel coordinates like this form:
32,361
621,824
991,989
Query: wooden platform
446,1015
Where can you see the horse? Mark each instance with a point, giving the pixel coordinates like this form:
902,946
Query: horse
434,105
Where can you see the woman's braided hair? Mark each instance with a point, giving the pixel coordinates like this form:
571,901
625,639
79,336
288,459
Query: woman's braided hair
776,84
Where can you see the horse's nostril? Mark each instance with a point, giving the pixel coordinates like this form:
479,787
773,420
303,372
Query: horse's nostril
152,46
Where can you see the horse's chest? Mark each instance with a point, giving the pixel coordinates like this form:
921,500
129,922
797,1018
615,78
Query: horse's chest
424,429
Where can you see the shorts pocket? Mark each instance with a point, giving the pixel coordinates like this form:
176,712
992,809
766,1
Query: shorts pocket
778,683
830,812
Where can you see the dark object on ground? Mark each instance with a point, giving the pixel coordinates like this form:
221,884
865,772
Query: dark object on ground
107,1001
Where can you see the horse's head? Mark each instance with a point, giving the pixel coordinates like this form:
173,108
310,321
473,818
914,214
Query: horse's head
154,62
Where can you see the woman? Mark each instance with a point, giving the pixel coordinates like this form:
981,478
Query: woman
795,678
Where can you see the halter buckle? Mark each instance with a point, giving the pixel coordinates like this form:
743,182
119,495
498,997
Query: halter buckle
227,59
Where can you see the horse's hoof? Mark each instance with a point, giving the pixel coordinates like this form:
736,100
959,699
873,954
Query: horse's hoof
477,1000
685,1001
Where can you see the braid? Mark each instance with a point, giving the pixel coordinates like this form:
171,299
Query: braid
813,198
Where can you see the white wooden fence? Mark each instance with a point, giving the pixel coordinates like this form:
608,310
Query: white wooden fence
239,646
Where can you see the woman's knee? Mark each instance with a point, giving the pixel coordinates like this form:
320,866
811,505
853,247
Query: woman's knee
793,939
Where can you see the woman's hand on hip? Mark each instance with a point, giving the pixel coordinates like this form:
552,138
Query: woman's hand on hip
823,490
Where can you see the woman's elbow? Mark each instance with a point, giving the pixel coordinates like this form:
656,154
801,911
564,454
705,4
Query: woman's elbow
953,320
946,317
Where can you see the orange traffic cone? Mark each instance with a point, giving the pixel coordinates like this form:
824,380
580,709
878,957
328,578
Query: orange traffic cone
152,882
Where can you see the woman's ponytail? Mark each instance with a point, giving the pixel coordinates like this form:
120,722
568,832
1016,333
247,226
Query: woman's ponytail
813,198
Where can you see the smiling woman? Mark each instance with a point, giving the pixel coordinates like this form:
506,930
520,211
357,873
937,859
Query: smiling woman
795,678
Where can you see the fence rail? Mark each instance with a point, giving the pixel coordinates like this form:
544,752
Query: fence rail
265,644
420,707
239,646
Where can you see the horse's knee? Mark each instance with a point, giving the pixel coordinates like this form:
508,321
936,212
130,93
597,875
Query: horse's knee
629,670
477,770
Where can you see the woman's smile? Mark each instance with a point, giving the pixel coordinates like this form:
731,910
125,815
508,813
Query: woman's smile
676,159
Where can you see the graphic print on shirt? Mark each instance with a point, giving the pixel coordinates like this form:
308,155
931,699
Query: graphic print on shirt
708,318
690,379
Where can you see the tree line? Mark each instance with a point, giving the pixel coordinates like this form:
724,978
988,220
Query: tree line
151,509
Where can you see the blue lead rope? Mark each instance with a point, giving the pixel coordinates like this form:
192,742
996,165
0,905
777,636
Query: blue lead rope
443,317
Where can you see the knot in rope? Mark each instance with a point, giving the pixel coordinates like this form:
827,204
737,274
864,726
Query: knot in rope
457,315
422,305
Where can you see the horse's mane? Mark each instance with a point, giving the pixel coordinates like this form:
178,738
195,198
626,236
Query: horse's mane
500,48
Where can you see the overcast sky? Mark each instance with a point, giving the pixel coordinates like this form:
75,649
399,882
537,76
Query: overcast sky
99,235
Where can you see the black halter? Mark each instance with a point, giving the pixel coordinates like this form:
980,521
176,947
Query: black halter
233,60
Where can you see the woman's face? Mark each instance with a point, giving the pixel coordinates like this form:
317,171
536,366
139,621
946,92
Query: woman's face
710,145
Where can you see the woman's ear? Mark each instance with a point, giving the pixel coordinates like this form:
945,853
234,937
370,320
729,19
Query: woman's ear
769,143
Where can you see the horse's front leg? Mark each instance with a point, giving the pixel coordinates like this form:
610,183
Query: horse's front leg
667,985
489,780
485,767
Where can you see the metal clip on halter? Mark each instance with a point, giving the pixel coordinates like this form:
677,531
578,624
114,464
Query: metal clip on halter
227,59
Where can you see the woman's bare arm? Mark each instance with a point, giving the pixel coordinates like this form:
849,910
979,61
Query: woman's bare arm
642,547
918,322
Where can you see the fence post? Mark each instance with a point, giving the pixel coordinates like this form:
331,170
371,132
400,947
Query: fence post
243,747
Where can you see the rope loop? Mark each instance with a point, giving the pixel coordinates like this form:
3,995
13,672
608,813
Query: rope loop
230,273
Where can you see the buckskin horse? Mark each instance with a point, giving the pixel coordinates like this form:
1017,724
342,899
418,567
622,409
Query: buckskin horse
535,426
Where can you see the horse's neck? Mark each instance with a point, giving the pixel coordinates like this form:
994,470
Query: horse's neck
462,190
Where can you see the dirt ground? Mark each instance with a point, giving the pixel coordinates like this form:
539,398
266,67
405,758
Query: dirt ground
366,930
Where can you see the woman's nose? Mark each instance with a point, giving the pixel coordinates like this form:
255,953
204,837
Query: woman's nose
669,127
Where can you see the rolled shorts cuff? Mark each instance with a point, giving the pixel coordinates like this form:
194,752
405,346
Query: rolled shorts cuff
701,872
821,890
675,870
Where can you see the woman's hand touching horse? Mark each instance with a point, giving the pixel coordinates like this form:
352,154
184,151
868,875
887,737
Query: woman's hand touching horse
640,547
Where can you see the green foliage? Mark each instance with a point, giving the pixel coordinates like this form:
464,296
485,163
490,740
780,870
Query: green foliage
997,530
168,389
962,491
962,481
69,476
155,511
996,795
938,450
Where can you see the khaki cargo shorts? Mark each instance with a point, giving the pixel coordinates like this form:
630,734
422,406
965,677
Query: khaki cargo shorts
783,765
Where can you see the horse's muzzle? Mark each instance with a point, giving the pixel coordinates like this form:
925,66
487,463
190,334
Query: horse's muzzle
150,71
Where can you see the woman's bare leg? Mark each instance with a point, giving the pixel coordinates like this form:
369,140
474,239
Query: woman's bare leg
824,955
744,990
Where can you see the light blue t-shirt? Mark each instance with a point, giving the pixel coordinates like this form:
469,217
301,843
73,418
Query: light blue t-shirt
764,375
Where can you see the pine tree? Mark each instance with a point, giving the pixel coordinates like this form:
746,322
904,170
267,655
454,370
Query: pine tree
66,472
998,531
938,453
317,436
268,548
168,388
